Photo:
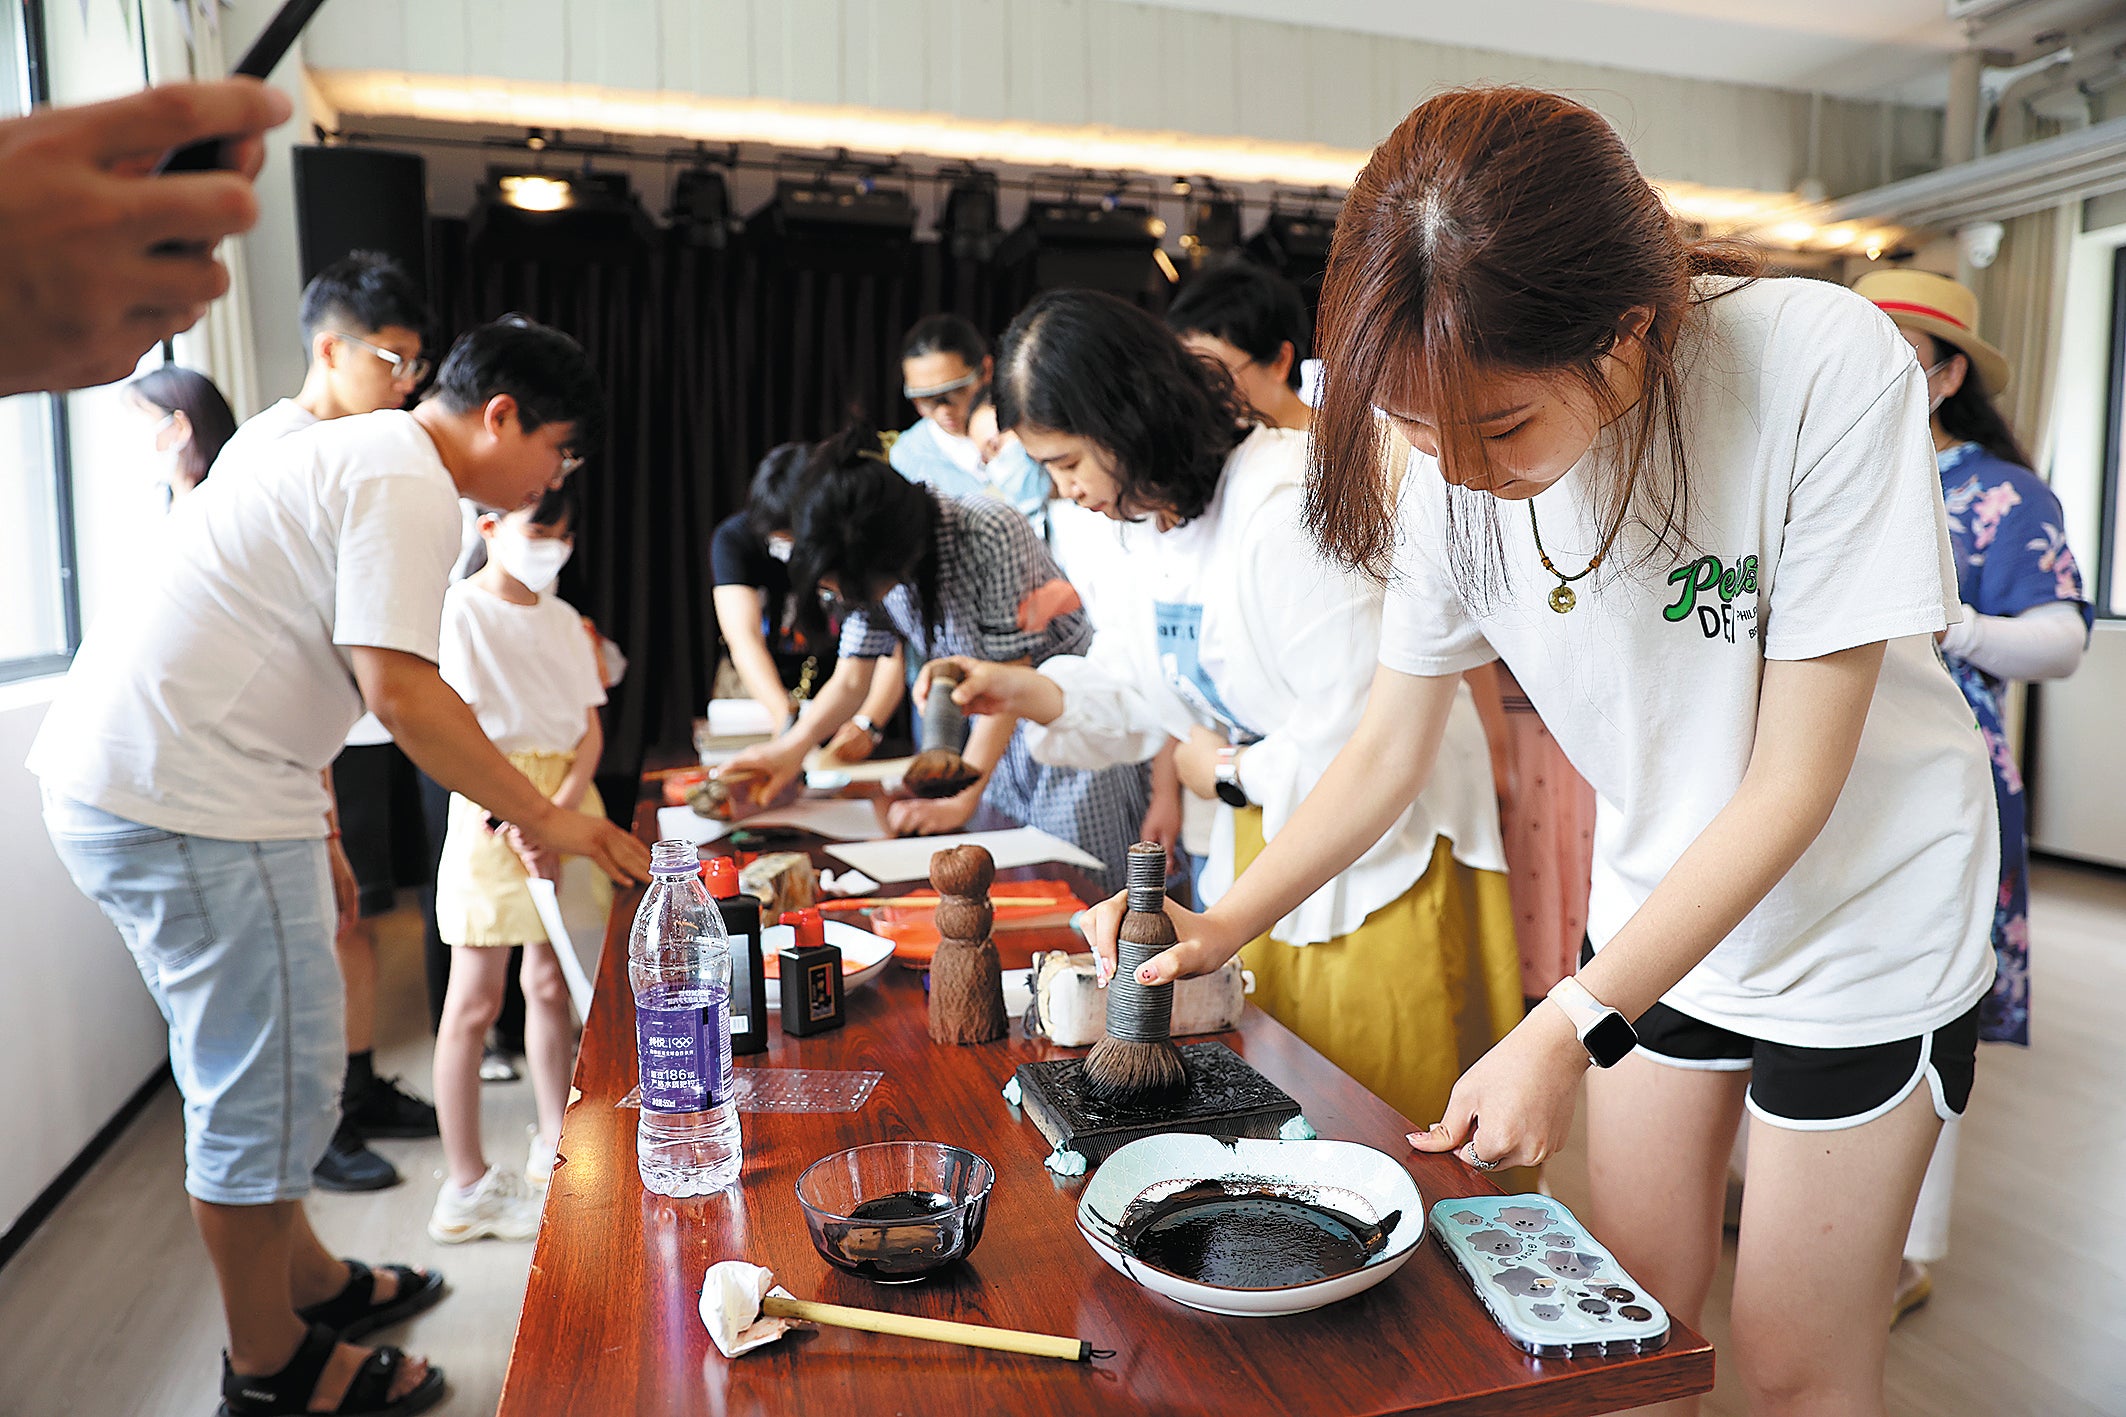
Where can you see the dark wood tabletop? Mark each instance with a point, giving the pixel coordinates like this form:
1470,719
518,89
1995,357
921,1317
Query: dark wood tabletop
611,1322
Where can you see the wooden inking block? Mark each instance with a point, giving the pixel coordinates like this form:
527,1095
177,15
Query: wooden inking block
1226,1098
781,881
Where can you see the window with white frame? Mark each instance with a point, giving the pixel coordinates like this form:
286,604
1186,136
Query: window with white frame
40,621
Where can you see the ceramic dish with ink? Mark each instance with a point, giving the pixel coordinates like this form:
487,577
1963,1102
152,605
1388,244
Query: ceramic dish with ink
1252,1228
864,955
896,1211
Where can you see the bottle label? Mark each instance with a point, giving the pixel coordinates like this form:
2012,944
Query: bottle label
744,947
682,1051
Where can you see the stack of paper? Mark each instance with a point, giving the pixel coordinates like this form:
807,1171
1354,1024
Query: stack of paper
908,858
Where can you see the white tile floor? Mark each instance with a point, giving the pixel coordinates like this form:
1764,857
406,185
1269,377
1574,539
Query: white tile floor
109,1311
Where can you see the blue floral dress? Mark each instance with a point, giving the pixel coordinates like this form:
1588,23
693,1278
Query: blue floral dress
2011,556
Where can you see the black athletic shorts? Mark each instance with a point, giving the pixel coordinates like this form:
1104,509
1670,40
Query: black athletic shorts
380,822
1819,1089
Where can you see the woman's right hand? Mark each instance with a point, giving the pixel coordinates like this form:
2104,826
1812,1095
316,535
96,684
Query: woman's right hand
986,688
1205,943
763,771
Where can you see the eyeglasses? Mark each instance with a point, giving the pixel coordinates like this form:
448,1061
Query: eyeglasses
938,391
403,370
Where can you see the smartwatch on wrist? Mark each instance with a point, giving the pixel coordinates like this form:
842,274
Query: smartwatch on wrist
1226,777
1606,1034
871,730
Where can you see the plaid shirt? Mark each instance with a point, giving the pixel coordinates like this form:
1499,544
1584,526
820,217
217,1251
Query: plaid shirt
989,559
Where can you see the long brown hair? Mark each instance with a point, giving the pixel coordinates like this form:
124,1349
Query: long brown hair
1497,231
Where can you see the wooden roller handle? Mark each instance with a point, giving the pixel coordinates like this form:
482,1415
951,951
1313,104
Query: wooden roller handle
1038,1345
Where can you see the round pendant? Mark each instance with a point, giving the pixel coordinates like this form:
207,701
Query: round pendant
1562,599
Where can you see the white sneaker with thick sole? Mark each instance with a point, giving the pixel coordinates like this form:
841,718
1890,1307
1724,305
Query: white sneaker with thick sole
501,1207
538,1159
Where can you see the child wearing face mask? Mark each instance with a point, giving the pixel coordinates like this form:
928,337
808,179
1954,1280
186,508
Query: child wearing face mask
518,655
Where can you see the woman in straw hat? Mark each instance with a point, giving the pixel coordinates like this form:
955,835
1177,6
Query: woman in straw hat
2026,616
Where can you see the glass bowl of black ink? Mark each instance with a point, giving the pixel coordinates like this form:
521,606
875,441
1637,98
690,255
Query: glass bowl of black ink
896,1211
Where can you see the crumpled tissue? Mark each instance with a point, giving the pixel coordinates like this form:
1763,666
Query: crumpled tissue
731,1295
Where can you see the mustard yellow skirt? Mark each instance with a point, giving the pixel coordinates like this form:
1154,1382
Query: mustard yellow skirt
480,894
1411,997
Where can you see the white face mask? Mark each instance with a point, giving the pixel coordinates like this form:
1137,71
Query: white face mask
536,562
164,463
780,546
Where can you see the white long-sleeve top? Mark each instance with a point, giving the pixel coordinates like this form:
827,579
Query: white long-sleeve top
1236,622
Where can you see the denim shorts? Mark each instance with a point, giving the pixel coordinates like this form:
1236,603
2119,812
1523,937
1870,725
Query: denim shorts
234,940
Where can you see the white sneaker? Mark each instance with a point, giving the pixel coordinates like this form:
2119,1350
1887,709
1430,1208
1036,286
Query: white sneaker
501,1207
539,1160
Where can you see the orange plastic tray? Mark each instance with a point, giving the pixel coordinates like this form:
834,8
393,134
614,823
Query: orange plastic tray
913,928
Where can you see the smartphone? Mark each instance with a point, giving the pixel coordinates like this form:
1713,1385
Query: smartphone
271,46
1550,1285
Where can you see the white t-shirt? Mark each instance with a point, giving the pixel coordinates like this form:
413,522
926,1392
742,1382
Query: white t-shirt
528,671
276,421
1234,622
213,706
281,419
1815,524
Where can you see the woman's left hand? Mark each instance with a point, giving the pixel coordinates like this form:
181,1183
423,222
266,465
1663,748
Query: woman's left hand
1514,1107
1196,761
917,816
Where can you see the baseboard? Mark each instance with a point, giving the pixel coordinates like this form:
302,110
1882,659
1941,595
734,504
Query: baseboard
2086,864
48,1199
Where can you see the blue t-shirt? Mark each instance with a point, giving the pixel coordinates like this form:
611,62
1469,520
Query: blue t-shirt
920,455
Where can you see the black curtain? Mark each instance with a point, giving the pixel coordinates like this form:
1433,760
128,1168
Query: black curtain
709,356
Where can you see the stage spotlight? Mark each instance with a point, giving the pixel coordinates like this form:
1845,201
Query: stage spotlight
1104,246
1296,246
583,215
856,226
968,218
701,207
536,192
1213,225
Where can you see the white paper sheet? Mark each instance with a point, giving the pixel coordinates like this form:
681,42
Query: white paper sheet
830,770
731,718
908,858
850,819
547,899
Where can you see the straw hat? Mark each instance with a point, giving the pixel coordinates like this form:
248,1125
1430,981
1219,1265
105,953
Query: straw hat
1938,306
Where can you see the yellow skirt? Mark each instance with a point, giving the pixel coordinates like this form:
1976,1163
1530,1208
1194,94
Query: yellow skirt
480,894
1411,997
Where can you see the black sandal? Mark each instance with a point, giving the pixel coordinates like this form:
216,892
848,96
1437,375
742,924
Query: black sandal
287,1393
354,1313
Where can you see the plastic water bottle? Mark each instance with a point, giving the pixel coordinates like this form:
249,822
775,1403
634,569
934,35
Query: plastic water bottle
679,961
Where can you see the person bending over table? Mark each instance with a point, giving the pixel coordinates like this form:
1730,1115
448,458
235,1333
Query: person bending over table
943,576
1698,516
1241,643
182,766
781,665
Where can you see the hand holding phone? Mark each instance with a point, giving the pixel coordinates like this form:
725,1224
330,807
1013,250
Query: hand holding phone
84,228
225,153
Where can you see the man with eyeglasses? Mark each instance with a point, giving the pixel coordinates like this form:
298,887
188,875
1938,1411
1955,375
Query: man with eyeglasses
362,322
181,766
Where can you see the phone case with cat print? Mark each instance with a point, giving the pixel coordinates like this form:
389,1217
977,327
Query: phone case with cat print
1550,1285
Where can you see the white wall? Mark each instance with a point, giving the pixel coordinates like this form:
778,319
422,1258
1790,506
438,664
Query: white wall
78,1033
1131,66
2077,806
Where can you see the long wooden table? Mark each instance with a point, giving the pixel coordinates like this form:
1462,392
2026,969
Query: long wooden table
611,1324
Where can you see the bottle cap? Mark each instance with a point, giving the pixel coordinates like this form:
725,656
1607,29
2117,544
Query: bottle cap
809,929
675,857
722,875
